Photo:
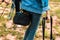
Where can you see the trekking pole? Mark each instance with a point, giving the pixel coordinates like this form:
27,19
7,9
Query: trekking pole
43,27
51,37
51,20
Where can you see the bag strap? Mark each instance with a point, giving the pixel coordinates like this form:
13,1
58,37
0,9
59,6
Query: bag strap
17,5
43,27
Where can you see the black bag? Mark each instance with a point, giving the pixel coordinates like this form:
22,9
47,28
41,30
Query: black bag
22,19
43,27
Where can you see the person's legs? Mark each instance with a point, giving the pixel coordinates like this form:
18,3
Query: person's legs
28,30
29,35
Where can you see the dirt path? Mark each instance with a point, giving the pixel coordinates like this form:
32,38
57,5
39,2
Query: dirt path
56,29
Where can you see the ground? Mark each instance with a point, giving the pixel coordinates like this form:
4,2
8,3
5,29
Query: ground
10,31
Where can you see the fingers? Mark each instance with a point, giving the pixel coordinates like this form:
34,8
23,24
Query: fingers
48,15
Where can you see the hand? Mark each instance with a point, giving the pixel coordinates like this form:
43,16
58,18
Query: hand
47,15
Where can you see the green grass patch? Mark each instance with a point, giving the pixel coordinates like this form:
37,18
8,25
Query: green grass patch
58,13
